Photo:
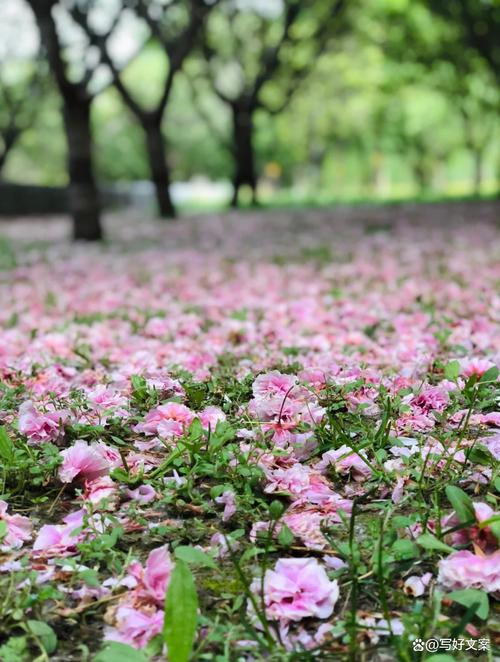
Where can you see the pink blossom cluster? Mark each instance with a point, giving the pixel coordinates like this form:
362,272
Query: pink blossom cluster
297,588
139,615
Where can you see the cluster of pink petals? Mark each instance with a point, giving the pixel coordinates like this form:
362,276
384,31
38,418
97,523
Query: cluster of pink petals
139,614
40,426
87,461
173,419
475,366
60,539
345,461
18,529
135,627
299,482
101,490
281,405
480,536
465,569
297,588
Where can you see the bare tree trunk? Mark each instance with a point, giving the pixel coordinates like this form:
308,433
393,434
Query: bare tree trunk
160,174
3,159
9,137
244,157
83,197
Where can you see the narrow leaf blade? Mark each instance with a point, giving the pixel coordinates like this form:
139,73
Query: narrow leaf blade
181,608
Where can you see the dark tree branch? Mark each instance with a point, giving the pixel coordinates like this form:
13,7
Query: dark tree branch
271,57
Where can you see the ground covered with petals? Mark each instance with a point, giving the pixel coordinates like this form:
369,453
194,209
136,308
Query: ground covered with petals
265,436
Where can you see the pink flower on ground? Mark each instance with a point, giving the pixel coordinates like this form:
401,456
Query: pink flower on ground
153,579
110,454
273,383
18,529
375,629
100,489
306,525
316,377
492,418
302,639
483,536
475,366
157,574
103,398
398,490
210,416
227,499
142,494
431,398
170,420
306,520
345,461
416,586
135,627
83,460
60,539
467,570
38,426
296,589
299,481
333,562
492,443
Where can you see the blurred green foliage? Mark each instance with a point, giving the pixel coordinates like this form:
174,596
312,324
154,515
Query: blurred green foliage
397,106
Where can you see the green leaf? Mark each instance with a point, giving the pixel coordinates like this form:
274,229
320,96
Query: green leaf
117,652
6,446
470,383
122,476
462,504
223,433
195,556
405,549
90,577
401,521
452,370
3,529
138,382
479,454
195,430
285,536
118,441
490,375
276,509
45,634
196,393
15,650
440,657
217,490
428,541
469,596
181,608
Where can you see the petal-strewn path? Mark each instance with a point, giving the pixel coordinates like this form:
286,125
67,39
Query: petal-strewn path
301,406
